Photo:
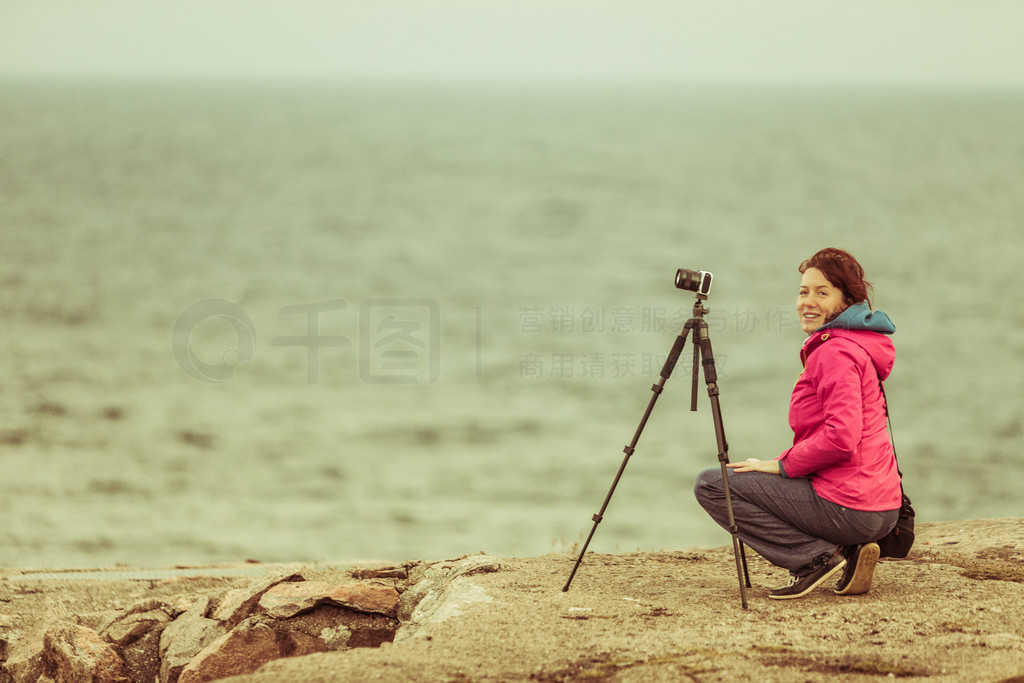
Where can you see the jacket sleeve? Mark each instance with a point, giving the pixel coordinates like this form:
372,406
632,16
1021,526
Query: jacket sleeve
836,370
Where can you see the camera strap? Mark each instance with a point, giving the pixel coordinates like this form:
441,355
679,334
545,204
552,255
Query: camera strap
888,417
892,439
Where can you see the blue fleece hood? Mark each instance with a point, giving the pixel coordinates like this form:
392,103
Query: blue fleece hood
861,317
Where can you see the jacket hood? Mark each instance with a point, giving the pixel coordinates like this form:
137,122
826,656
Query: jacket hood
871,330
861,317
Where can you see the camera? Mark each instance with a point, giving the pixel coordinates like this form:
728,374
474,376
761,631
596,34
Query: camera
694,281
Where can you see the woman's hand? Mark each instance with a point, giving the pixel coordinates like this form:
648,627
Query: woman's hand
755,465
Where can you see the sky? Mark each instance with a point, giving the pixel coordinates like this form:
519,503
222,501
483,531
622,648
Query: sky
933,42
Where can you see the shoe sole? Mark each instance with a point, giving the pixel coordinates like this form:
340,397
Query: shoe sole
824,577
864,572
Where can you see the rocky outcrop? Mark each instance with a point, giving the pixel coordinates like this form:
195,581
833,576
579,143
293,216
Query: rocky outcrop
282,615
950,611
287,613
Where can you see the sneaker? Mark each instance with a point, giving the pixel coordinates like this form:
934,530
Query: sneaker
800,586
860,568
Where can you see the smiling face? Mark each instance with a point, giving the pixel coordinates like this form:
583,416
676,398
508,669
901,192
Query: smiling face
818,300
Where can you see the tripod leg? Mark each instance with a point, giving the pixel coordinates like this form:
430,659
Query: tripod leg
737,545
743,554
657,388
600,515
703,341
693,375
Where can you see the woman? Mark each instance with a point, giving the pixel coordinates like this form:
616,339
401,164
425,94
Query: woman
818,507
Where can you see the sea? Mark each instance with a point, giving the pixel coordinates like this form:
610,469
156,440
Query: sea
345,321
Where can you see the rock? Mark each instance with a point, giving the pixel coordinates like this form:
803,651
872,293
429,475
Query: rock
388,572
27,667
287,599
335,637
245,649
129,627
142,656
76,654
186,636
341,628
326,623
136,634
441,594
239,603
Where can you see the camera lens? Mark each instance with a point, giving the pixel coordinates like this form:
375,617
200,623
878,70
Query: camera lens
688,279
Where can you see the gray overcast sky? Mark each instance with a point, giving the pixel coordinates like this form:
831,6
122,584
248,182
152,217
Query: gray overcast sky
965,42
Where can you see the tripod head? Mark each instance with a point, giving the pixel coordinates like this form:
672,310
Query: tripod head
699,310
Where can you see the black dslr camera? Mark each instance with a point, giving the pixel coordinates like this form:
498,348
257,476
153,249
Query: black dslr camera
694,281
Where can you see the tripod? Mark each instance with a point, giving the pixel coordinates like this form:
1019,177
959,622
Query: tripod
702,354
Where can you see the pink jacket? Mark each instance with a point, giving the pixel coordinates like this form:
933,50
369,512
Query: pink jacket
837,412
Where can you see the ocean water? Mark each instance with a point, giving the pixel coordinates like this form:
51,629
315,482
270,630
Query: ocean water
349,321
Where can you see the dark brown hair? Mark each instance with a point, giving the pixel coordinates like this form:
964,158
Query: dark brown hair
842,270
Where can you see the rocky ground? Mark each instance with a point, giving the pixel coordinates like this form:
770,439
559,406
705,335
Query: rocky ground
952,611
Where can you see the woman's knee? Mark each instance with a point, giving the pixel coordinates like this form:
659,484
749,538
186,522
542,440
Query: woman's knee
708,485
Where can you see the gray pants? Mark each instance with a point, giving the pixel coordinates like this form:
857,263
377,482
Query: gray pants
784,520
